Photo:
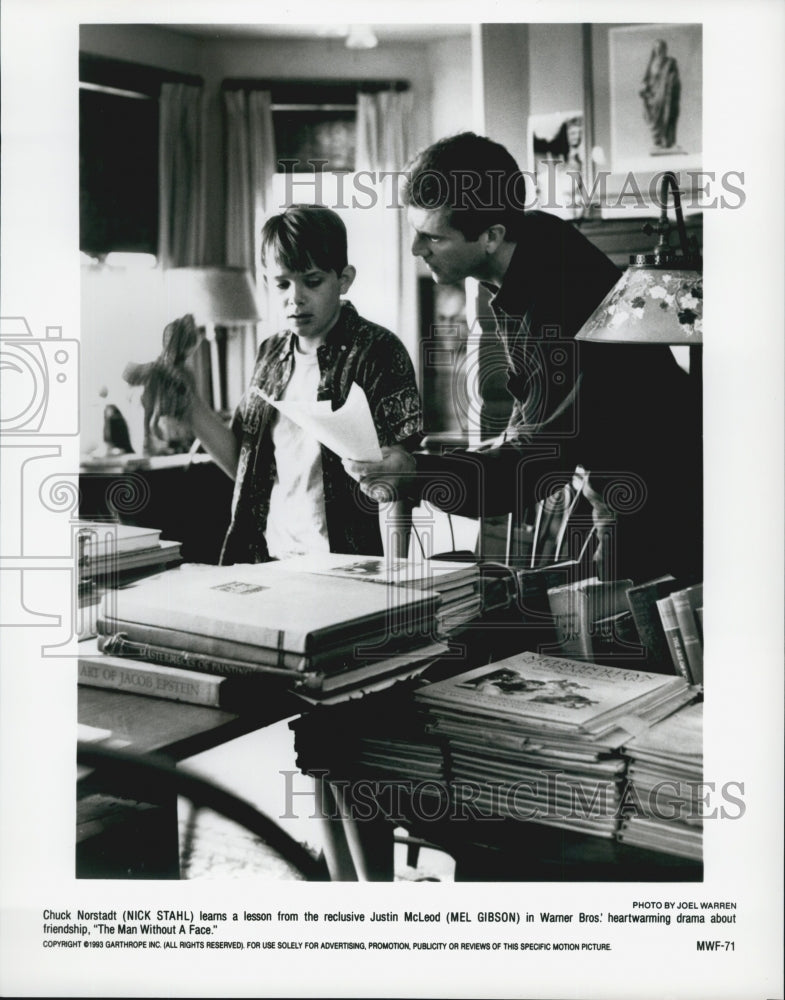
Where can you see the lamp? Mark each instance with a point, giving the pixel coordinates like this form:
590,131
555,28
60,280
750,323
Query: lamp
659,298
216,296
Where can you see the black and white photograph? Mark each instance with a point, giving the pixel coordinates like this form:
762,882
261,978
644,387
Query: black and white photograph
382,544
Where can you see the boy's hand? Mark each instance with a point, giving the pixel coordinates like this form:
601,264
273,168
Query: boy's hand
383,480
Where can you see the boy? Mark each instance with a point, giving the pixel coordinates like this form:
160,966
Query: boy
292,495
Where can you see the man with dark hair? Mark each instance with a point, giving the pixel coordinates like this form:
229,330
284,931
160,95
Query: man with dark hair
625,416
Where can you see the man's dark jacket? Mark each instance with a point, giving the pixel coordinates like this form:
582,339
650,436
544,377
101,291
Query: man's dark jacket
628,414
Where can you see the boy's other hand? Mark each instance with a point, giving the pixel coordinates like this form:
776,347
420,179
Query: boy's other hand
383,480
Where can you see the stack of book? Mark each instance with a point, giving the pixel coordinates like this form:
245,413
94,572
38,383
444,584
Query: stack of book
318,636
681,616
380,752
656,626
537,737
665,769
456,583
112,555
120,553
385,739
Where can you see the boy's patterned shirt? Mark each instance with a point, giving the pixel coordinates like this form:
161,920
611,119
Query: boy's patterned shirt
355,351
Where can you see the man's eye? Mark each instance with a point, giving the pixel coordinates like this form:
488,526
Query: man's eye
434,239
313,283
281,286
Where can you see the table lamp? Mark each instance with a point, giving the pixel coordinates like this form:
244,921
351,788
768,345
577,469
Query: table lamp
659,298
216,296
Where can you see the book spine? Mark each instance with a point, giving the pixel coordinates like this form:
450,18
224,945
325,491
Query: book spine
642,601
673,637
119,645
569,607
152,680
616,641
138,607
688,626
208,646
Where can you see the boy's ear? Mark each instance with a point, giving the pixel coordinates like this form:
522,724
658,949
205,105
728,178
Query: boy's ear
346,278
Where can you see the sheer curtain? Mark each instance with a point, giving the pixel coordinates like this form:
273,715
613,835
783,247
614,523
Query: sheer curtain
181,226
383,144
250,165
250,168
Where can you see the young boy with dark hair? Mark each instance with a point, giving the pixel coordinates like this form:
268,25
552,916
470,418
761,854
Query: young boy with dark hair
292,495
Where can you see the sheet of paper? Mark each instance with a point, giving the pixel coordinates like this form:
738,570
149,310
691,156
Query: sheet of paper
349,431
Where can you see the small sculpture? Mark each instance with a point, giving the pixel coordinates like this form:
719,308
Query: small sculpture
661,95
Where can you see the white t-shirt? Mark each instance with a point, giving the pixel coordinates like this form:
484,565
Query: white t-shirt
296,522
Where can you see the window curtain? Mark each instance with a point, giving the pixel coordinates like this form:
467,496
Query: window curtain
181,226
382,130
250,165
250,168
384,144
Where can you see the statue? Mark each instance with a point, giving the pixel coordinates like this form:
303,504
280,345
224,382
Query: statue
661,92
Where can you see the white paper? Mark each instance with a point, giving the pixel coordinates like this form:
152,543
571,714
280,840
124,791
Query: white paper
349,431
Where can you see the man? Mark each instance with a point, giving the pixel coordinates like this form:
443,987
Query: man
625,415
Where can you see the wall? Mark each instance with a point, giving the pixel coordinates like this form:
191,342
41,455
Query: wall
555,67
502,100
451,93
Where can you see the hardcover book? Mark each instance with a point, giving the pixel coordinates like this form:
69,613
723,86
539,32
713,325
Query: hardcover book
685,605
576,608
209,647
167,673
252,603
172,683
673,636
162,554
642,600
100,539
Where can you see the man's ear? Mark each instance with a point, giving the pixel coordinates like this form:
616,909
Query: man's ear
494,237
346,278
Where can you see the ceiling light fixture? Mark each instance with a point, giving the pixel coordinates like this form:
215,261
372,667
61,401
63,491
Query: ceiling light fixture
361,36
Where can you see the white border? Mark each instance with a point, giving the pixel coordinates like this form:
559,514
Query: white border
743,371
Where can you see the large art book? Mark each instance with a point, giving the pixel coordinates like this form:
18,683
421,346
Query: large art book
266,606
555,694
432,574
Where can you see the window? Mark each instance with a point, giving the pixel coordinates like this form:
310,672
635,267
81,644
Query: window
118,172
315,122
118,154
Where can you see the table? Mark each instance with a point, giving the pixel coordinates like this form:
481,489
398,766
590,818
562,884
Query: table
117,838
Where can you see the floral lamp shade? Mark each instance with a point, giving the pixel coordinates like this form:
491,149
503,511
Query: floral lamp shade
650,305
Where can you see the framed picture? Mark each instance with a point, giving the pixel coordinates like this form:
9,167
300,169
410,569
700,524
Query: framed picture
655,97
644,89
558,161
